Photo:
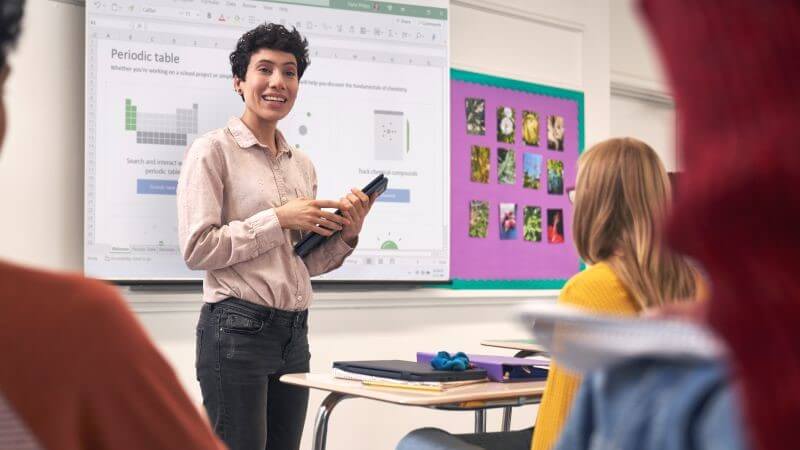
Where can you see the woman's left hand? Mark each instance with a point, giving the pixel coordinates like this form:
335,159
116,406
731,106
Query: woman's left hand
355,207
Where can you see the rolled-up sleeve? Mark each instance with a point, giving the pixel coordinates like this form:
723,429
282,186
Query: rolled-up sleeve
207,243
328,256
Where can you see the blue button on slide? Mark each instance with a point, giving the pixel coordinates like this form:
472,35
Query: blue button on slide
396,196
161,187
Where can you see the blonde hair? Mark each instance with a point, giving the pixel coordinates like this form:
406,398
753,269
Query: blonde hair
622,198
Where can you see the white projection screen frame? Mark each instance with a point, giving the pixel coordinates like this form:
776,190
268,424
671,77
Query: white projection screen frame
375,99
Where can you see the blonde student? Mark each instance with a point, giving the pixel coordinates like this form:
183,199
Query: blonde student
621,199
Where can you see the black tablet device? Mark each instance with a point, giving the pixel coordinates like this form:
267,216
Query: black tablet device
408,371
312,240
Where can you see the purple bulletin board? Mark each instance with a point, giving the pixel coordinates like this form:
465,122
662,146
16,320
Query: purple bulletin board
512,119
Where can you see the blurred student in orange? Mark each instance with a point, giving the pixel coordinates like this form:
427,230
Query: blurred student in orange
78,371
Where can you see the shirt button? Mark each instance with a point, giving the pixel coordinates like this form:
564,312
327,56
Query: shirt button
299,298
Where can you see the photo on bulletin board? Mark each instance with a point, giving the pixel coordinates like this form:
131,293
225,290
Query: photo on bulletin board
532,170
506,166
508,221
532,223
514,153
530,128
555,177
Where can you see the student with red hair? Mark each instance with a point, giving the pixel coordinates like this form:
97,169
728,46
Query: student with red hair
734,68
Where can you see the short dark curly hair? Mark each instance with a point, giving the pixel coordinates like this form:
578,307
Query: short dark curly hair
271,36
10,25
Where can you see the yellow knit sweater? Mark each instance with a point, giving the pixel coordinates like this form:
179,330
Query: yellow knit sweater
598,289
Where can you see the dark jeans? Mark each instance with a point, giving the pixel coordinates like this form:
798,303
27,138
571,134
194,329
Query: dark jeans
242,350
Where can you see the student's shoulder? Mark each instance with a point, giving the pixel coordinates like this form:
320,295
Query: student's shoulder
60,312
596,273
35,280
596,287
69,292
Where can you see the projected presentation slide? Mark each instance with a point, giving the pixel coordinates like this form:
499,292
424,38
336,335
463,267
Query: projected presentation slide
374,100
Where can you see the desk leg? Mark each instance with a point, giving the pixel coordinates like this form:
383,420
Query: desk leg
480,421
507,418
324,413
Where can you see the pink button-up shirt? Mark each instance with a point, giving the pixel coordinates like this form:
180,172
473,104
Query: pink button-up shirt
229,187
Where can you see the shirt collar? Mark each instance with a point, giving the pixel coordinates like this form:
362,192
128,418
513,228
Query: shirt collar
245,138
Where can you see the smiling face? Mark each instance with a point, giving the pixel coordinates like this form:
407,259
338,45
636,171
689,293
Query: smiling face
270,85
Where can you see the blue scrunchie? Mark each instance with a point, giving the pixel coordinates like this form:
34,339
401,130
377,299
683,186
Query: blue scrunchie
457,362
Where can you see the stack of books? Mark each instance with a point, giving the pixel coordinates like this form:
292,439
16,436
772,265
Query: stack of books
431,386
406,374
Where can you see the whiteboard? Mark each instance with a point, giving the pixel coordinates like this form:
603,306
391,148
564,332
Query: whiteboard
158,76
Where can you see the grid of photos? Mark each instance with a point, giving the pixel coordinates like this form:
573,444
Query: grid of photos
506,171
514,151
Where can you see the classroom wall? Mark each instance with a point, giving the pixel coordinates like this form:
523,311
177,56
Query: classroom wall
41,164
651,121
634,61
640,102
562,43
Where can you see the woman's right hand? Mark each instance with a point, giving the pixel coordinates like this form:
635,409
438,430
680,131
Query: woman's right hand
308,215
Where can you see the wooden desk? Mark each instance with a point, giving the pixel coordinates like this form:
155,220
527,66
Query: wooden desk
477,397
